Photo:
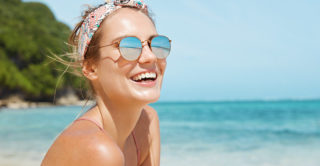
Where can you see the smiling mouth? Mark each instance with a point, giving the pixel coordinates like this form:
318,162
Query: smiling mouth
145,77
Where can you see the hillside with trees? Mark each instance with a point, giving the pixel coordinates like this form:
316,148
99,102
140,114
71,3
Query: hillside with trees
29,32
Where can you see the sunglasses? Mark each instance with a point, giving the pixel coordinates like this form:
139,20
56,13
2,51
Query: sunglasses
131,47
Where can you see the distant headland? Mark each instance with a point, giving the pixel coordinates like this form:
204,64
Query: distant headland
30,33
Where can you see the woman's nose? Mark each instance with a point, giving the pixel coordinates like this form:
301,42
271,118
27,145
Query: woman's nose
147,56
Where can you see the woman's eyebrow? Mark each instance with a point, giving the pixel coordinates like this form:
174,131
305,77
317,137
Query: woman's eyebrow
121,37
152,36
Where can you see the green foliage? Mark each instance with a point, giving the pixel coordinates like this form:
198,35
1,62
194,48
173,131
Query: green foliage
10,76
28,31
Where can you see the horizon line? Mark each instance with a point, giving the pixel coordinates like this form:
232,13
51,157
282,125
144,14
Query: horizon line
239,100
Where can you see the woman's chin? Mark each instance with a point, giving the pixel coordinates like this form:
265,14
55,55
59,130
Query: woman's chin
146,97
145,92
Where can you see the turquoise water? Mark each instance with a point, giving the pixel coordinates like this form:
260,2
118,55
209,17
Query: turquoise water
282,133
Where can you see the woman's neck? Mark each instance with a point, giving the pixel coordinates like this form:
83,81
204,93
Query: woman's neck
119,119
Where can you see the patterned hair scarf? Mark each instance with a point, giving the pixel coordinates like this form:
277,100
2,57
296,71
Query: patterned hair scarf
92,22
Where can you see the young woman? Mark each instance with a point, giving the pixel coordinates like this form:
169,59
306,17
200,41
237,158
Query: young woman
124,59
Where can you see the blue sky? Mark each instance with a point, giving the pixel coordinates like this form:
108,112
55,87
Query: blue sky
231,49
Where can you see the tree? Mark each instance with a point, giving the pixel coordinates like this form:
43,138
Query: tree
28,33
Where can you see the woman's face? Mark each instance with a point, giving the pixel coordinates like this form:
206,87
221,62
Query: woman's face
115,75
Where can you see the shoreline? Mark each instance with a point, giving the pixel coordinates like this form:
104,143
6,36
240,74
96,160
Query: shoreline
16,102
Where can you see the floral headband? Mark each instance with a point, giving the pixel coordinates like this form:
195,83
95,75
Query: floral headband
92,22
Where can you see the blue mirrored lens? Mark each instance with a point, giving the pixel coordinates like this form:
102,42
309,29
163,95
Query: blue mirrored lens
161,46
130,48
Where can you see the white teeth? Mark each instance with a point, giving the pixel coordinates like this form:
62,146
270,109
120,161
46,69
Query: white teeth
145,75
153,75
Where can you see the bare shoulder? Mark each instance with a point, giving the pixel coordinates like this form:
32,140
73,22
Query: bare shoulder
82,146
152,156
152,113
150,121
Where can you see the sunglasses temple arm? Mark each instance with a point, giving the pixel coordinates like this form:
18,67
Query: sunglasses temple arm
116,43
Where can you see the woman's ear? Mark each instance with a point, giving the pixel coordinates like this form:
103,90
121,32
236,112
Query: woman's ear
90,70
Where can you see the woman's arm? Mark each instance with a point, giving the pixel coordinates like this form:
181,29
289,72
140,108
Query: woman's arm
153,157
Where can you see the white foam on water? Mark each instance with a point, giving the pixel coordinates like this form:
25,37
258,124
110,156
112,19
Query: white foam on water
21,158
270,155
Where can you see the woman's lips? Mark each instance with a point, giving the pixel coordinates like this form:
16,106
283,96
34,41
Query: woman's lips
145,75
146,79
147,83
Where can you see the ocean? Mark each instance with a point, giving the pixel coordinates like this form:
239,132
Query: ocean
244,133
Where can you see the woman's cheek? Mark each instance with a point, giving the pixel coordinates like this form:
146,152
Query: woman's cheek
162,65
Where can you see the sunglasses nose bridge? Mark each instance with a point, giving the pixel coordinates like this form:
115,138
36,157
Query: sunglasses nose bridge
145,42
146,54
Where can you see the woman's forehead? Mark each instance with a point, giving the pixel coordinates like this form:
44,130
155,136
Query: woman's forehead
128,22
